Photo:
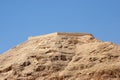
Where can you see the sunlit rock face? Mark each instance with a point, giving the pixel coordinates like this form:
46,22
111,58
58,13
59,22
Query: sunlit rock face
61,56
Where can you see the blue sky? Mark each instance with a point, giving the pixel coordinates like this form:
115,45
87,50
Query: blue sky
22,18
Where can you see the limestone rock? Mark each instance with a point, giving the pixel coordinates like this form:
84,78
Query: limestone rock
61,56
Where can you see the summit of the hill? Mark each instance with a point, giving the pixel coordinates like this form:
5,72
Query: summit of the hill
60,34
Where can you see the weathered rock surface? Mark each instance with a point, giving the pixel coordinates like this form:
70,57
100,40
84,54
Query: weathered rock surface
61,56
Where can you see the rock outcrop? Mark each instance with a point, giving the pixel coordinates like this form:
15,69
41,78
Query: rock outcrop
61,56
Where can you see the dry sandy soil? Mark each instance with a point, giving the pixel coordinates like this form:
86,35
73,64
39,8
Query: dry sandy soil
61,56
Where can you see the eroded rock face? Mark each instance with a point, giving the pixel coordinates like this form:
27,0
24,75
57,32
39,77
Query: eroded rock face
61,56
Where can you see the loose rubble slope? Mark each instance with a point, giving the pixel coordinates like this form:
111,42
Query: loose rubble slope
61,56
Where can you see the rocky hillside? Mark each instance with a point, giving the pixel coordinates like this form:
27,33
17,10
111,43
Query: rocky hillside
61,56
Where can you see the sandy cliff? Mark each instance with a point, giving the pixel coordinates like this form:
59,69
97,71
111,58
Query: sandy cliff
61,56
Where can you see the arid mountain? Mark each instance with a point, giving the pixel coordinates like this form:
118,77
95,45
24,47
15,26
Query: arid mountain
61,56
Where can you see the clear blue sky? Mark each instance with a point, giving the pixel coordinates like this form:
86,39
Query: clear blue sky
22,18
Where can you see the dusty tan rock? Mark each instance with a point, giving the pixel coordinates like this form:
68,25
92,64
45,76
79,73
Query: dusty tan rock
61,56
